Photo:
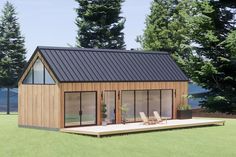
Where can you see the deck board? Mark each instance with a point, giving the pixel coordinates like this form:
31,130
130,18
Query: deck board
139,127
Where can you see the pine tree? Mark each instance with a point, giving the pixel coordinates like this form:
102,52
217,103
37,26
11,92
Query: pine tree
12,51
201,37
100,24
218,74
171,26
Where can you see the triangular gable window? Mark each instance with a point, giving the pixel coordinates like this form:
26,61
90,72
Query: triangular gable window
48,78
29,77
38,74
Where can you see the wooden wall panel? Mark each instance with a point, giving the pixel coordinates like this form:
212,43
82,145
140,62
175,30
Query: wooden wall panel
39,106
43,105
181,88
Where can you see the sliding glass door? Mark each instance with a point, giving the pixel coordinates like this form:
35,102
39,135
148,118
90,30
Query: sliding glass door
80,108
147,101
128,102
154,102
141,103
110,101
88,108
72,109
166,103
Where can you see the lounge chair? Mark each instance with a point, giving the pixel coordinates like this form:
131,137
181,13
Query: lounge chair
145,119
158,117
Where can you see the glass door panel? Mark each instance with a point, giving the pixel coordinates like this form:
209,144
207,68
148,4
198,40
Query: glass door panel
166,103
128,101
72,108
154,102
141,104
88,108
110,101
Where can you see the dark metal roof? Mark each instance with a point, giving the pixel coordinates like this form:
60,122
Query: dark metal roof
103,65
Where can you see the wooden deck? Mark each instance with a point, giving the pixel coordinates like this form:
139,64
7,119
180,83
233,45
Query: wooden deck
139,127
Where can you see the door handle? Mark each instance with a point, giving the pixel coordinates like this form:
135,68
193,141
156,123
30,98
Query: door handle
80,112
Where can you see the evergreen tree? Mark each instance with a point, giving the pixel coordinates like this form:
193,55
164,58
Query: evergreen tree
217,74
12,51
201,37
100,24
171,26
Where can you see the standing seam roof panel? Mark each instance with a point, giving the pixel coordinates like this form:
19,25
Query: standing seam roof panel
71,66
118,66
159,69
89,65
80,60
164,74
145,67
80,66
53,64
65,66
151,66
140,68
106,67
75,65
171,67
100,64
175,66
120,61
101,75
115,71
128,66
58,65
137,73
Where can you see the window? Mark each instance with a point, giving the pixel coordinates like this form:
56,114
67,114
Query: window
141,103
48,78
72,109
110,101
29,78
128,102
38,74
166,101
80,109
154,102
147,101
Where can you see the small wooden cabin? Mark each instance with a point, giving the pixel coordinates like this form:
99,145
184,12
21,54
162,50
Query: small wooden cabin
66,87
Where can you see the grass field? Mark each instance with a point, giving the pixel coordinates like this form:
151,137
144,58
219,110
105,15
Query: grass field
217,141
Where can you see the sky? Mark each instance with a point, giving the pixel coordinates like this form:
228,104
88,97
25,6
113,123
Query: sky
52,22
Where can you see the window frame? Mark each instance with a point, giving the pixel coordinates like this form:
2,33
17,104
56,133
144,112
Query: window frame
80,107
148,90
44,69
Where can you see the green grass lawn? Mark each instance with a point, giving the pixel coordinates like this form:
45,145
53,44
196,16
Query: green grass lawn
205,141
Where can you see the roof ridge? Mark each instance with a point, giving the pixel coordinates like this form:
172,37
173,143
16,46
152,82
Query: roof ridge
103,50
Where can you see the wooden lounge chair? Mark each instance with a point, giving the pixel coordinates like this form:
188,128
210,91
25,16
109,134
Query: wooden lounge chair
158,117
145,120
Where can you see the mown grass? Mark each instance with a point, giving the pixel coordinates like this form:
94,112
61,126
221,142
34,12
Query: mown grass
214,141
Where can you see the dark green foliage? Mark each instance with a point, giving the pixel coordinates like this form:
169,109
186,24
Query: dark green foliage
171,26
12,51
104,111
100,24
218,72
201,37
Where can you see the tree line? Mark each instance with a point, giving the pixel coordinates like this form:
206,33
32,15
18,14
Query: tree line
200,35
